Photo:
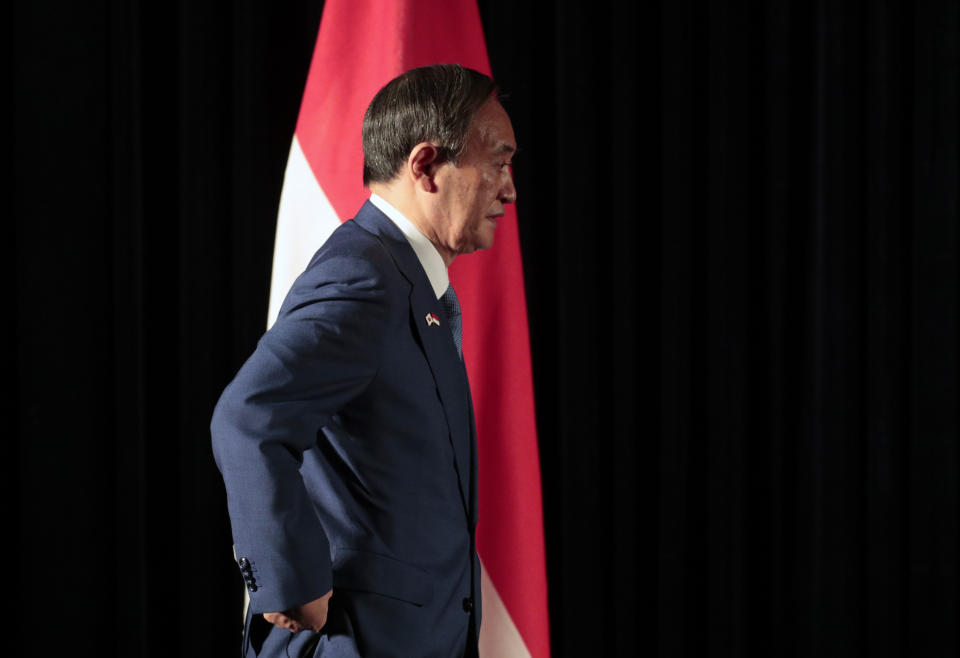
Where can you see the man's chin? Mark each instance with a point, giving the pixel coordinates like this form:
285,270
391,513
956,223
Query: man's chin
483,239
483,244
486,238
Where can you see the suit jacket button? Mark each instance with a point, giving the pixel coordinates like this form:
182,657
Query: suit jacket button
468,605
252,587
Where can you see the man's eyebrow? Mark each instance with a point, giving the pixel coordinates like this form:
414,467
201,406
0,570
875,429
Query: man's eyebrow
503,147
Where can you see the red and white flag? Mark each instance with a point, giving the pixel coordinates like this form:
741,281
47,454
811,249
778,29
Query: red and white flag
361,46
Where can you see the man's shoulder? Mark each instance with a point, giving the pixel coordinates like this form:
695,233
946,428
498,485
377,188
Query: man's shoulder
353,264
351,238
349,249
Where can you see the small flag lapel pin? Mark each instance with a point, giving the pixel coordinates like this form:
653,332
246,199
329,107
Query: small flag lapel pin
432,320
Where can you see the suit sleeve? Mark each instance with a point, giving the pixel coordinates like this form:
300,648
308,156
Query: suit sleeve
321,353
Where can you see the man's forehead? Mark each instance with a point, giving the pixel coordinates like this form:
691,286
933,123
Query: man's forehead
493,126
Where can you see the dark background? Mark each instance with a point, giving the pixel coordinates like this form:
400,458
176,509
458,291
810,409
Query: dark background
740,232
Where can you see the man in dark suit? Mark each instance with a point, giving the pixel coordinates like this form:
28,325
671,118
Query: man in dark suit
346,441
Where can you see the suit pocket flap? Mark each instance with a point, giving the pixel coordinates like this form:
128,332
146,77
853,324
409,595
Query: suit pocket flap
371,572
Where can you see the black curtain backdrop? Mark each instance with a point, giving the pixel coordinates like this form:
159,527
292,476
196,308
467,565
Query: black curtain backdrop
740,233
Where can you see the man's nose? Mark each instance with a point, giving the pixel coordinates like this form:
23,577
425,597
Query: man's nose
508,193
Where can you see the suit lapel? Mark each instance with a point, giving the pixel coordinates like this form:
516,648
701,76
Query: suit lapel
437,341
447,372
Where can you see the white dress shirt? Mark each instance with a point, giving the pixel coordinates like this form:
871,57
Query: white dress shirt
426,253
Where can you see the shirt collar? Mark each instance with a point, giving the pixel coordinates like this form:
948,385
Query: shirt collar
427,254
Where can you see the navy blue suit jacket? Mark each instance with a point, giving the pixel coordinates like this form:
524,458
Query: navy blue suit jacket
347,446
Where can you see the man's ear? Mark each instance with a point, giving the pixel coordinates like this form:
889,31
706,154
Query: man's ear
421,164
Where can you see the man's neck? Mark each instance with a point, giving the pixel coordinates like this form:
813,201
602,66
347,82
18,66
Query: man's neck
406,202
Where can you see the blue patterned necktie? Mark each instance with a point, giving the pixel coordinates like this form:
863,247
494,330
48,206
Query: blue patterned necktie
452,308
